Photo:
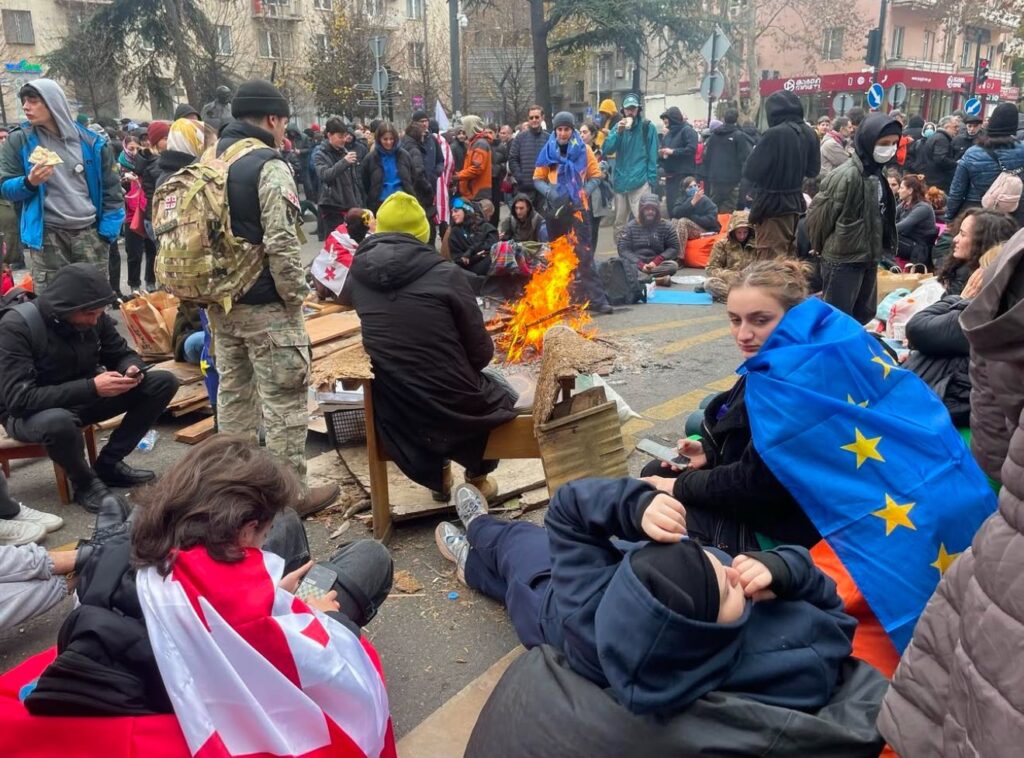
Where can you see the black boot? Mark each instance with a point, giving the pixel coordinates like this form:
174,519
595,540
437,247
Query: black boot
91,497
120,474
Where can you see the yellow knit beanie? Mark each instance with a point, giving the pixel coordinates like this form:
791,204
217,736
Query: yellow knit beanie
402,213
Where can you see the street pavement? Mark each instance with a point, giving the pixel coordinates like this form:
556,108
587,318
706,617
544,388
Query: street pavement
432,646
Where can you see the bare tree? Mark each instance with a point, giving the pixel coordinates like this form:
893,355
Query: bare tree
334,70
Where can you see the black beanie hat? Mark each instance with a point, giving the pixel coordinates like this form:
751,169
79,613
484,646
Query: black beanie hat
680,577
916,122
1003,121
258,97
419,115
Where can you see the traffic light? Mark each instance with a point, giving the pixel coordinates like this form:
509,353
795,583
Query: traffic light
874,53
983,64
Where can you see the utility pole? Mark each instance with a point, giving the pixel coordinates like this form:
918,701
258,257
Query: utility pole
979,37
881,41
453,42
711,74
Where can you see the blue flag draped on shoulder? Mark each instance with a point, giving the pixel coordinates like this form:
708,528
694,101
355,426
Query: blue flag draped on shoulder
870,454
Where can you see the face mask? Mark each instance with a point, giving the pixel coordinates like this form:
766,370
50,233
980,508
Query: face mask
691,190
884,154
927,132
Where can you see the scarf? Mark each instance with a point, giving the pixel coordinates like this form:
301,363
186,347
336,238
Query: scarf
572,165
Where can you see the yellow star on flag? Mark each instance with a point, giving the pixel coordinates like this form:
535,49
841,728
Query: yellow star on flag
886,366
864,448
895,515
851,401
945,560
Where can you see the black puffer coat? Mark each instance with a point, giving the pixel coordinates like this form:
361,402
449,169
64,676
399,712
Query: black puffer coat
942,355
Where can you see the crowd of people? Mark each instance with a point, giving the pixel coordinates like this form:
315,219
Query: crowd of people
765,564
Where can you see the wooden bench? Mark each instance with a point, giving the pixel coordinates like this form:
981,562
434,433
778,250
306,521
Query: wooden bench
12,449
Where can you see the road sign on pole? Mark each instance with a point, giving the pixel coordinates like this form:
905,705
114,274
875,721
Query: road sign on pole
377,45
713,50
898,94
973,106
379,82
842,103
875,96
367,103
716,47
712,86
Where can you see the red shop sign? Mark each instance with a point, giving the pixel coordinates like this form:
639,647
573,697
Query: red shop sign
859,81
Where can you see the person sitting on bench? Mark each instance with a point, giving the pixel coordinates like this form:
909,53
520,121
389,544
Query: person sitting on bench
66,366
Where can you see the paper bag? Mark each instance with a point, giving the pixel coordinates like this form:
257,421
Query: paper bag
890,281
149,319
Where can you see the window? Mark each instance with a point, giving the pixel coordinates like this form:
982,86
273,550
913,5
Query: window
416,58
949,48
373,8
323,5
832,46
604,73
896,49
274,44
320,43
578,94
18,28
414,9
223,40
965,55
929,46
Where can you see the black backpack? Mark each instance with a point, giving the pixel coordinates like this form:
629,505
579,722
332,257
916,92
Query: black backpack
621,282
20,301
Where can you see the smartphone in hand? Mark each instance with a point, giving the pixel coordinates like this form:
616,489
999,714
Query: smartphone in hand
662,451
317,582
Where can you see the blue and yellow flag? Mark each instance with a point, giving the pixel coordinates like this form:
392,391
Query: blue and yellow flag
870,453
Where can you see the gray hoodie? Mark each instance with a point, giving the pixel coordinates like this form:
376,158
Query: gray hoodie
66,204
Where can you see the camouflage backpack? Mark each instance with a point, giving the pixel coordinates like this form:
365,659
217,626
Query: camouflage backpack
198,258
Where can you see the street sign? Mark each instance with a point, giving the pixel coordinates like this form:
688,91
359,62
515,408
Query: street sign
366,103
716,47
377,45
380,80
842,103
972,107
898,94
363,88
875,96
712,86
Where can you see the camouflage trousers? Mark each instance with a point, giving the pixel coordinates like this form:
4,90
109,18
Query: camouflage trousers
64,246
263,359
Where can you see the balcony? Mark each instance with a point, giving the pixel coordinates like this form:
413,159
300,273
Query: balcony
282,10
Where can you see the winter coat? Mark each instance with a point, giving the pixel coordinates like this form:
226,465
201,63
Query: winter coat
499,161
704,214
62,376
939,161
433,159
426,339
148,171
736,483
834,153
470,238
682,139
475,174
530,230
169,163
786,154
340,181
917,231
417,151
976,171
373,176
636,155
957,689
522,157
729,256
941,355
642,243
725,152
962,142
914,162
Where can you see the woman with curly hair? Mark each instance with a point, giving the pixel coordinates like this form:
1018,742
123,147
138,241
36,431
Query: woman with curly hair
976,232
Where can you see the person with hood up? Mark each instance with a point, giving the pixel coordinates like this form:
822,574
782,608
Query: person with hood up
730,255
786,154
387,169
523,152
663,622
339,172
634,145
470,238
725,152
70,212
474,175
51,386
852,221
650,243
425,335
607,116
523,224
678,152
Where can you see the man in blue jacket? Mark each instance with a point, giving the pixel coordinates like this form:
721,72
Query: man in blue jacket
659,623
633,142
71,211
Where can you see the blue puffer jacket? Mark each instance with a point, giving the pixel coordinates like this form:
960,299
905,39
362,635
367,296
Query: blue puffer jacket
104,186
975,173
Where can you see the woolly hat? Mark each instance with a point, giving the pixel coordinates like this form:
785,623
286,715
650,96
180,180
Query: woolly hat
402,213
631,101
916,122
186,136
1003,121
563,118
607,107
419,115
473,125
680,577
184,110
157,131
258,97
649,199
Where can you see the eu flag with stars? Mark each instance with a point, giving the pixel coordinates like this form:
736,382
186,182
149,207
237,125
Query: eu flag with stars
870,454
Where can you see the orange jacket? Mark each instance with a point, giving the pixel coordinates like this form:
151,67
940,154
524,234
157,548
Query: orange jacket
901,150
475,175
549,174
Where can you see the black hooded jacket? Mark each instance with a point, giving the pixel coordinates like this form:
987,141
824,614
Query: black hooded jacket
725,152
682,139
62,376
787,153
425,336
942,356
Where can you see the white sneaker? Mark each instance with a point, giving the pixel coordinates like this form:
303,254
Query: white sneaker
48,521
13,532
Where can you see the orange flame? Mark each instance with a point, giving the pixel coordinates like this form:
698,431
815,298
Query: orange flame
547,294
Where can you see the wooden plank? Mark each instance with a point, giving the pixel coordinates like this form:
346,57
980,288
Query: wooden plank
330,348
188,395
513,439
196,432
110,423
331,327
199,405
187,373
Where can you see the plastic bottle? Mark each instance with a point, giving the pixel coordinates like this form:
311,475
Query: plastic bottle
902,311
148,441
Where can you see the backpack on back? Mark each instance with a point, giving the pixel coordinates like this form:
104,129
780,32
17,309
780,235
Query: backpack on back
199,259
21,301
621,282
1004,193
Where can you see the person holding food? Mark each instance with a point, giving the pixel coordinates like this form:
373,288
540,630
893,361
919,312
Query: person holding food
63,176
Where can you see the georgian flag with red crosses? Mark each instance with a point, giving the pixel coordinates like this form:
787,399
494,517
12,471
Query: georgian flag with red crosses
251,670
332,264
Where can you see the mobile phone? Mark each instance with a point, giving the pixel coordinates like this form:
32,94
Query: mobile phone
142,369
663,451
317,582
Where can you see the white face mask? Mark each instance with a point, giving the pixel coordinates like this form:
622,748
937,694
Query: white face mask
884,153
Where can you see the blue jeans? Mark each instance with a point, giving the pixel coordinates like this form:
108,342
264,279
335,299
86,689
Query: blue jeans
193,347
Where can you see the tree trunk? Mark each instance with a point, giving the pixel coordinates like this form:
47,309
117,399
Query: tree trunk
539,36
182,52
636,75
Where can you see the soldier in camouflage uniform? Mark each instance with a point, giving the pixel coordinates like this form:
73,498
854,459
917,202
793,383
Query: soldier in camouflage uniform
263,351
72,211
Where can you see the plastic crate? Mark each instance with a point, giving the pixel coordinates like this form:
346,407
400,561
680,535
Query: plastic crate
346,427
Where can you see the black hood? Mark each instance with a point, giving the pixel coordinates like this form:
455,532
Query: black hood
725,130
872,129
75,287
170,161
782,107
391,260
674,116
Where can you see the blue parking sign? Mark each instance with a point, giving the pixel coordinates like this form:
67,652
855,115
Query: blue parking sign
875,96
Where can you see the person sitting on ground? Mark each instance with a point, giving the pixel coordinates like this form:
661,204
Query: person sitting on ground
433,400
729,256
915,222
650,243
32,581
51,388
699,213
19,524
978,231
470,238
663,623
523,224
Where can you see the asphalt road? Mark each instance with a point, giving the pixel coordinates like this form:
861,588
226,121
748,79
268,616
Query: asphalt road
432,646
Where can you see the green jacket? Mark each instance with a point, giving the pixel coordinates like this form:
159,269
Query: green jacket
636,156
845,223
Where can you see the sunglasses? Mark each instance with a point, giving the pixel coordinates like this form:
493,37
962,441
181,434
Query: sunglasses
533,118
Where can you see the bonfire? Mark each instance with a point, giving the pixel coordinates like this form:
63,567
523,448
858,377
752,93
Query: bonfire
545,303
